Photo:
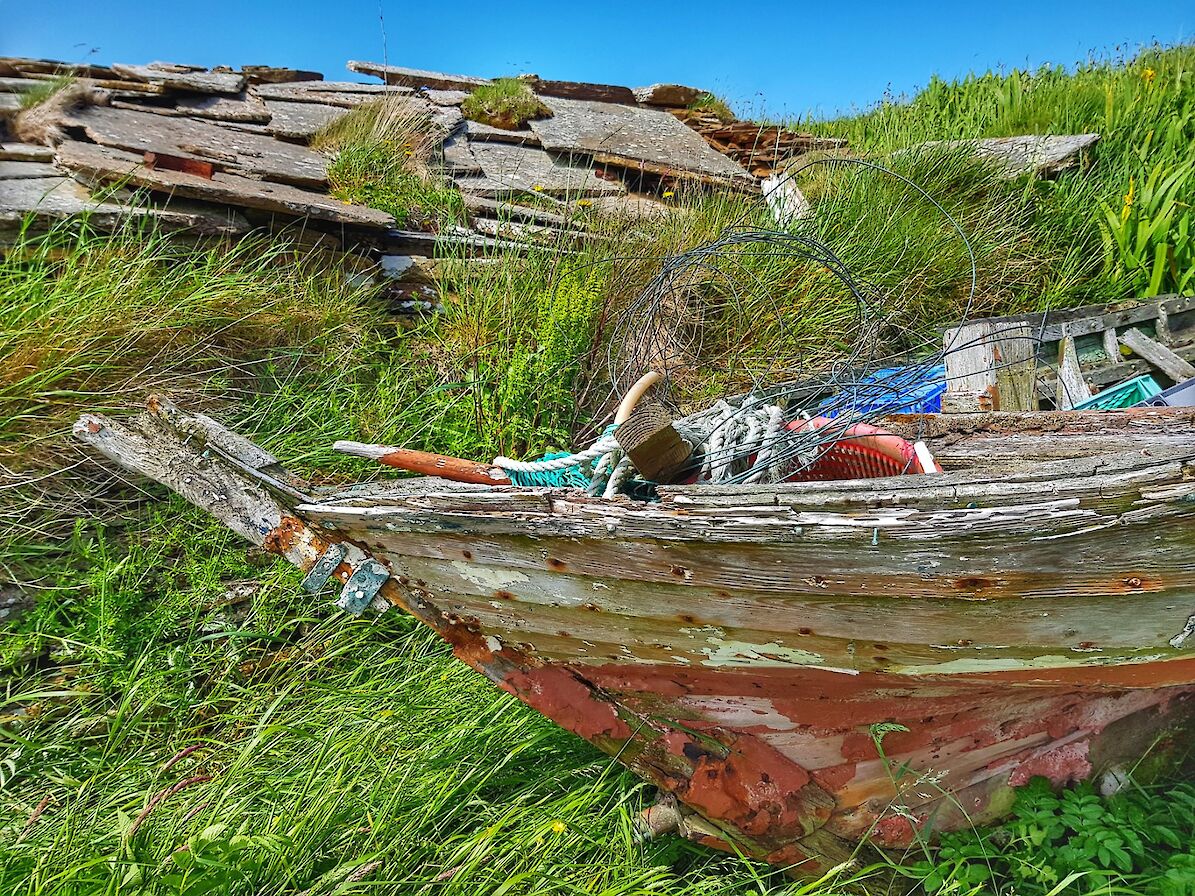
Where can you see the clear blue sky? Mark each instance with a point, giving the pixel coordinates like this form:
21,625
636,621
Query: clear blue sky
779,58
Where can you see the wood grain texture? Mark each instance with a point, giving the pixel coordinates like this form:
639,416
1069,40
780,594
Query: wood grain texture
1158,355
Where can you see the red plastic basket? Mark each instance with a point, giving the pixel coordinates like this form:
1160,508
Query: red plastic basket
864,452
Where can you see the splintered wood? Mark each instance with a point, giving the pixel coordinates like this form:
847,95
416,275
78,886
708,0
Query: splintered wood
990,367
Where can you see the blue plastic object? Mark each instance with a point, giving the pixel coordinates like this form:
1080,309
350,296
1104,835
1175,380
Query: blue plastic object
1130,393
1180,396
893,390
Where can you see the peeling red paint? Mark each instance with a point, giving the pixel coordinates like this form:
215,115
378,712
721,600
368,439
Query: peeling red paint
893,831
285,536
1064,765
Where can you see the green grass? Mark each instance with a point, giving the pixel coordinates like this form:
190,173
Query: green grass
1131,213
504,103
40,91
380,156
335,755
714,105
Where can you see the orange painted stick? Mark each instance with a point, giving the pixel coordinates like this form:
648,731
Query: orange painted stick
455,468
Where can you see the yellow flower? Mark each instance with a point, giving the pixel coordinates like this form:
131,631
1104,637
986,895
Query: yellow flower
1148,75
538,188
583,203
1128,201
559,827
668,194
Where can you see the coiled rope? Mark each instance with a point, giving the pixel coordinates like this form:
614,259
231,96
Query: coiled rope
740,444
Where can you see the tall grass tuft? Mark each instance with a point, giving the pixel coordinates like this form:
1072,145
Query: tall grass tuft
1144,110
97,322
381,152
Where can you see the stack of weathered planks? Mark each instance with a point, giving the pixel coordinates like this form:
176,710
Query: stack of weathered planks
223,152
1060,359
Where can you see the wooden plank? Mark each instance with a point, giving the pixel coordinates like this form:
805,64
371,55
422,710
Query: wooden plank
22,170
328,93
52,68
243,108
515,212
1043,155
230,150
580,90
1072,388
511,170
25,152
1015,351
486,133
17,85
1158,355
60,198
444,97
413,77
104,164
301,121
187,80
635,137
674,96
457,158
118,87
269,74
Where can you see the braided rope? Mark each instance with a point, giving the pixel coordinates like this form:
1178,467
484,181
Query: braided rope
726,436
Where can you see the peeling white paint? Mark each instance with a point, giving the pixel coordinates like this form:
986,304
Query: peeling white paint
1181,638
488,576
740,653
492,644
1012,664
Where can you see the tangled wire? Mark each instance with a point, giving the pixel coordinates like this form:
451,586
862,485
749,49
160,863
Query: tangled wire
751,439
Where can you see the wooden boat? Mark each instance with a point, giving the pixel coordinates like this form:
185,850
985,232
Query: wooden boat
801,666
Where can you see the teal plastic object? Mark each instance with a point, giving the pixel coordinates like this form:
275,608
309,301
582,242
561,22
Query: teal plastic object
1123,395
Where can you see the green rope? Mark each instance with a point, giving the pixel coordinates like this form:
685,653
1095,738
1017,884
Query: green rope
571,477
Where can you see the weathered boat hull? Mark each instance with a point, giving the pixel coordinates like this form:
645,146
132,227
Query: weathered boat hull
802,666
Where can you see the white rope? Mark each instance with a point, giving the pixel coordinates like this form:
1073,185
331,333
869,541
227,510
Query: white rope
726,436
597,449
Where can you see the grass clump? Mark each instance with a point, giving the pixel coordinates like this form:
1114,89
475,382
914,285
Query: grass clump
97,322
712,104
381,153
41,91
1131,211
506,103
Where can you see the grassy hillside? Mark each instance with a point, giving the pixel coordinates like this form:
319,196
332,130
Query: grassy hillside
179,718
